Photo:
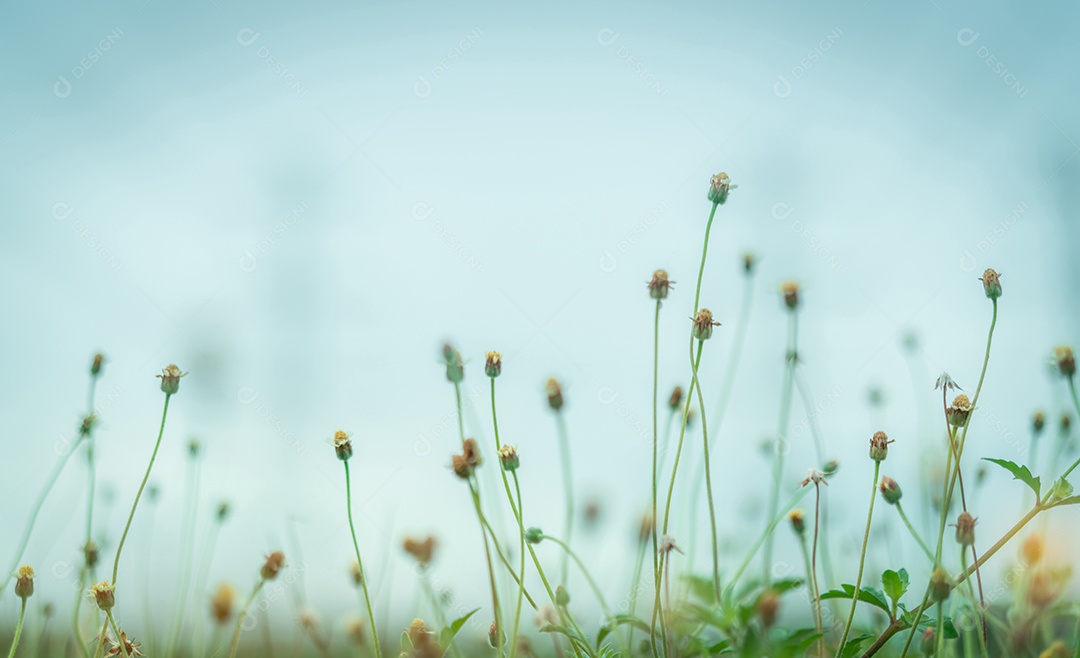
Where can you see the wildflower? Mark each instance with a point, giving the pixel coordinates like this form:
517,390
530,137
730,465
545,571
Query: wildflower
354,629
1065,422
545,615
470,450
675,399
991,283
768,605
815,476
130,647
274,562
1066,362
342,445
508,457
455,367
493,364
421,550
798,522
890,490
308,620
554,394
667,544
104,595
965,529
928,643
461,467
719,188
221,604
660,285
790,291
170,379
879,446
95,366
24,583
703,324
1047,585
959,412
830,467
423,641
945,382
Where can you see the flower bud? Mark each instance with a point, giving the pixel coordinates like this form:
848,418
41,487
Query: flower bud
90,553
991,283
879,446
461,467
1066,362
939,585
749,261
675,399
88,423
1038,422
660,285
24,582
508,457
421,550
170,379
222,511
890,490
95,366
554,394
104,595
928,643
965,529
959,412
534,535
790,290
1066,421
496,638
493,364
719,188
470,450
562,597
455,367
221,604
342,445
274,562
830,467
798,523
703,324
768,605
1031,551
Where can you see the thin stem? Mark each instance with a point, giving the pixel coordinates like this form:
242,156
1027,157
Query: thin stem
635,585
120,640
18,629
568,485
474,489
811,584
514,507
90,489
188,533
203,577
240,618
862,558
704,254
971,597
359,562
761,540
782,425
708,477
914,533
135,505
655,466
813,568
521,577
101,639
584,570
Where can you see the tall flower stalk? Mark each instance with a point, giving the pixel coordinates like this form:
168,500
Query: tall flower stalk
270,570
555,402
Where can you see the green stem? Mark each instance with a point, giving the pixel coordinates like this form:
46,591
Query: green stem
116,631
359,562
704,254
568,485
974,603
521,577
188,533
655,469
91,488
811,584
202,579
818,522
514,508
862,559
18,629
914,533
474,490
782,425
146,476
634,586
584,570
101,639
761,540
241,616
708,477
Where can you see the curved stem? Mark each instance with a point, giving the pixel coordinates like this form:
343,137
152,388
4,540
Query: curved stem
521,577
761,540
584,570
240,618
187,531
782,425
146,476
120,640
862,559
914,533
359,562
708,477
18,630
568,484
474,490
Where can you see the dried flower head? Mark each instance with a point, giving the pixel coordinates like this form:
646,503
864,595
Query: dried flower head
461,467
1038,422
308,620
342,445
493,364
879,446
273,565
719,188
104,595
455,367
221,603
660,285
123,646
354,630
959,412
90,553
170,379
471,451
790,291
95,365
798,521
508,457
991,283
945,382
24,582
768,605
1047,585
420,549
703,324
965,529
1066,362
667,544
675,399
814,475
554,394
423,641
890,490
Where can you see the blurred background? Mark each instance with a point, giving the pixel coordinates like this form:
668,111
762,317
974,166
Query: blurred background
299,204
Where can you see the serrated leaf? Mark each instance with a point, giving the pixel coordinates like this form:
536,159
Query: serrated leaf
854,645
866,595
893,585
447,635
1019,473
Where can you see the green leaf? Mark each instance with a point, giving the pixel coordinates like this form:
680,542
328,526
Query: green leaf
866,595
618,620
799,642
786,585
447,635
894,586
854,646
1019,473
1071,500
